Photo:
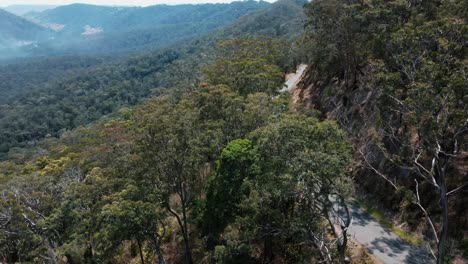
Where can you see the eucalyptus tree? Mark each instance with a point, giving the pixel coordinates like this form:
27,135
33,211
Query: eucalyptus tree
305,161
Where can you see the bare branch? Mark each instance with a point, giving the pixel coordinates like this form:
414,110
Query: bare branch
418,203
378,172
431,250
420,167
457,189
319,241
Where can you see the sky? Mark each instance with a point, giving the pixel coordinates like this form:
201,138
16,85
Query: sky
109,2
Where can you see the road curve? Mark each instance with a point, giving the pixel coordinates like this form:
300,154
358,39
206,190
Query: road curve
293,79
383,244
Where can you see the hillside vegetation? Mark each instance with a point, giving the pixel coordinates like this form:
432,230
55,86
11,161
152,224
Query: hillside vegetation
81,28
16,32
393,74
283,18
34,107
191,154
173,167
27,75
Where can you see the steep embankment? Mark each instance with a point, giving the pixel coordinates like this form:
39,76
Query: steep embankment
393,75
357,110
383,244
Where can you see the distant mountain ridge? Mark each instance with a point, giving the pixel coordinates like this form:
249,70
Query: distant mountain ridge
21,10
135,78
117,19
94,29
16,31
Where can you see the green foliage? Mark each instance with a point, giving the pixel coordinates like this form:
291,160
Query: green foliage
220,251
218,163
410,58
248,65
80,90
79,100
284,18
260,190
127,216
246,76
227,187
36,74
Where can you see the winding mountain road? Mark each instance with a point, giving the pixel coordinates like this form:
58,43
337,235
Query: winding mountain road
383,244
294,78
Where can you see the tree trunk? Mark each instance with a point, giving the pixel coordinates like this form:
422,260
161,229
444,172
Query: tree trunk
344,230
160,255
342,236
182,224
188,252
141,251
342,248
88,254
267,249
69,259
157,245
443,203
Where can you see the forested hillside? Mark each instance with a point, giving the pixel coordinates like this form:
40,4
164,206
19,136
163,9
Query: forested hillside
21,10
393,74
75,17
193,154
89,29
16,32
27,75
38,109
173,167
283,18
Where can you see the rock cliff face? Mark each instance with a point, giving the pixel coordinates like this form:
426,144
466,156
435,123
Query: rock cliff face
356,109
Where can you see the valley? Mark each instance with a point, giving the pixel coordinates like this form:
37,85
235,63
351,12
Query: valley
293,131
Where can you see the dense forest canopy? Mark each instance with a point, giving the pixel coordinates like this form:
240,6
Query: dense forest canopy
195,154
154,164
37,73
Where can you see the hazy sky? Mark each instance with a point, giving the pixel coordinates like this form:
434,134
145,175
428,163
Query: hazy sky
109,2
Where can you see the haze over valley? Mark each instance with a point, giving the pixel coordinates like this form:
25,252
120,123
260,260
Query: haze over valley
90,29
